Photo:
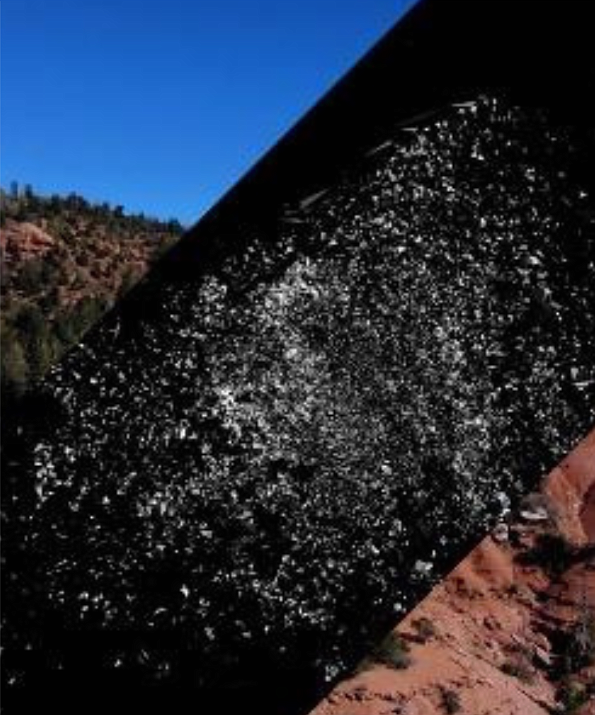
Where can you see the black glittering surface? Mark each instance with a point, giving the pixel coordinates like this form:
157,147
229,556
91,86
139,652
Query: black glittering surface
288,451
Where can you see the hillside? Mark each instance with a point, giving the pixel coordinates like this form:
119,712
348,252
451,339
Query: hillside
64,262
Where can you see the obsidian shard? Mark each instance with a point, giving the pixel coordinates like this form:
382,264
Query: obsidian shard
290,449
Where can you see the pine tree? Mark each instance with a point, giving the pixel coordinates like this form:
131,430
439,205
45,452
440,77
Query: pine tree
13,366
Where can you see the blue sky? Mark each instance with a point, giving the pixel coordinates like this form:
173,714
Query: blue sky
163,105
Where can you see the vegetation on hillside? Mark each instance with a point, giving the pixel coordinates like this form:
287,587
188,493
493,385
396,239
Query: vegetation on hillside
64,262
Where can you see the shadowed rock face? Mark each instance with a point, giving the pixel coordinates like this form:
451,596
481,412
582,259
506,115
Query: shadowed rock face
320,425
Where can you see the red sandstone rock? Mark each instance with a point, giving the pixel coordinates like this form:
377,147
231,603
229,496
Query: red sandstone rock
21,241
486,614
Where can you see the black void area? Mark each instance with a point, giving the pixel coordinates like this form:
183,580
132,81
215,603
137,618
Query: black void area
316,403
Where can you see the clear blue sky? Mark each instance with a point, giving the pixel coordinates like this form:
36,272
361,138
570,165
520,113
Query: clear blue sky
162,105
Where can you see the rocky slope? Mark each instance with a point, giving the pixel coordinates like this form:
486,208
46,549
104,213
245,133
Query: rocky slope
511,630
64,261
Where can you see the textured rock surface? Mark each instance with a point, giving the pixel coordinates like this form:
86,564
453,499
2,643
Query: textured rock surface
23,241
315,430
492,615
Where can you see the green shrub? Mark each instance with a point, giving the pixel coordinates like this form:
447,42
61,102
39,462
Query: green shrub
572,696
451,702
517,668
392,651
575,648
424,628
13,366
551,552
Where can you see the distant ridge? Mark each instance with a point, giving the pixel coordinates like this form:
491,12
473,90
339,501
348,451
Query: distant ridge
64,262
